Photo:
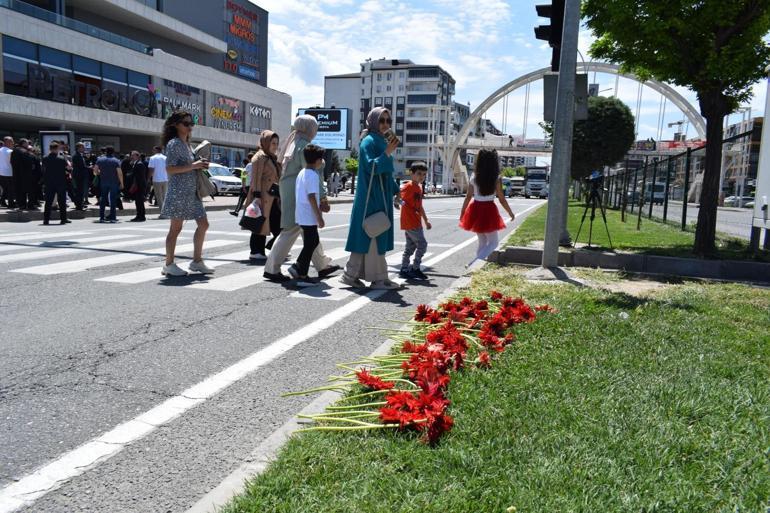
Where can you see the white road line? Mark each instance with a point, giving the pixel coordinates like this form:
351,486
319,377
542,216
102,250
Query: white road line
154,272
39,254
43,236
76,266
50,476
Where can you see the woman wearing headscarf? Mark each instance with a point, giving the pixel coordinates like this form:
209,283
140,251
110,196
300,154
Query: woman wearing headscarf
292,160
265,173
375,171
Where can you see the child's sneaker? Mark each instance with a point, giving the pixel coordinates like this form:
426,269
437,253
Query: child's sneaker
406,274
419,275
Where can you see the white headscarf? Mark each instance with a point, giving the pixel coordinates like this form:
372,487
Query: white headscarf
304,127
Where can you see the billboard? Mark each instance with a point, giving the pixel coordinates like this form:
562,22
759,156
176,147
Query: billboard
332,127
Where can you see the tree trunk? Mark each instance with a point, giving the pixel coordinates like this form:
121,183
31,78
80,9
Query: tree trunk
353,184
714,109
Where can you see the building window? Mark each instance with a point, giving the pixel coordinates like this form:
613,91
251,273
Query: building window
390,76
388,101
417,125
429,99
114,74
379,77
400,100
388,89
363,91
401,75
87,67
417,138
400,127
55,58
400,113
18,48
378,89
138,80
423,73
363,80
378,101
15,76
401,87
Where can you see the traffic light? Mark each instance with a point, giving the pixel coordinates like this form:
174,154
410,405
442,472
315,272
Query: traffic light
552,32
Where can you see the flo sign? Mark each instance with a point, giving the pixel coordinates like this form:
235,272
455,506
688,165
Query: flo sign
63,87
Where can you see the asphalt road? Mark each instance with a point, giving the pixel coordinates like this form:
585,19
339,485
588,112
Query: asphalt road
93,337
731,221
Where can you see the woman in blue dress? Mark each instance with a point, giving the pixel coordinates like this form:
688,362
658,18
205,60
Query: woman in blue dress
375,167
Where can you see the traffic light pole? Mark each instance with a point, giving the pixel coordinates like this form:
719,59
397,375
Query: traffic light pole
562,139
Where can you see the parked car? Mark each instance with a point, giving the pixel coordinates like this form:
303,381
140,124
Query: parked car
737,201
223,180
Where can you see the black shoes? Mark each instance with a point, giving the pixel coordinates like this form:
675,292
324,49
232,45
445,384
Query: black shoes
137,220
276,277
325,273
412,274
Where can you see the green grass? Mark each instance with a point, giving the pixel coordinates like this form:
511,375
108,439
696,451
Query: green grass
665,411
655,237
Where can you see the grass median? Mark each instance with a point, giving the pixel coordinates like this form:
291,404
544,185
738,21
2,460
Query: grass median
654,237
616,403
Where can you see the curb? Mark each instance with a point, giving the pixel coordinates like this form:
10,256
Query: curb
37,215
725,270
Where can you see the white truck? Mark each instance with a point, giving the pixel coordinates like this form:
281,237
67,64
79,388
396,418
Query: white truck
537,182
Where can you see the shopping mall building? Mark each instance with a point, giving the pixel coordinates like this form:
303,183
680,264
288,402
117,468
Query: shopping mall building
110,71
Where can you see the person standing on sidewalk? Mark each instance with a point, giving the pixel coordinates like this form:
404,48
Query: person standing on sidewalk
245,182
110,183
80,175
292,159
8,197
182,201
23,165
55,179
263,187
140,186
412,217
375,192
159,178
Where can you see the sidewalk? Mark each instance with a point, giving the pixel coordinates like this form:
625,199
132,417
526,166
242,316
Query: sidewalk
212,205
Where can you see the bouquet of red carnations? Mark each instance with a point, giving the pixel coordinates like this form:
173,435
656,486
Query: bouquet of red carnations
407,390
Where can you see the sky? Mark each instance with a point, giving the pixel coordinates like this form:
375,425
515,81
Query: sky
483,44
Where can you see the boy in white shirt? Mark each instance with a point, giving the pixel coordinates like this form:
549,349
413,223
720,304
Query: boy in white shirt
308,211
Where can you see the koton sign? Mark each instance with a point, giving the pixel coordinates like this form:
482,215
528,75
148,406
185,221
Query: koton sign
332,127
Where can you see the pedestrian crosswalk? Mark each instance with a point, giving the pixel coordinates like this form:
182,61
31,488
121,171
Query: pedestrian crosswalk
101,255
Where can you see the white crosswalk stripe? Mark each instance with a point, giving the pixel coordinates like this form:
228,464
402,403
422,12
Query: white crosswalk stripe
75,266
39,254
13,237
47,242
154,273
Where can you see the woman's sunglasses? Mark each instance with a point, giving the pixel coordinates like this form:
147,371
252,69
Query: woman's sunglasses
188,124
386,120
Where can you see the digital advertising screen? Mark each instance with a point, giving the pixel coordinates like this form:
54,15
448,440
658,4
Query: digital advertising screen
332,127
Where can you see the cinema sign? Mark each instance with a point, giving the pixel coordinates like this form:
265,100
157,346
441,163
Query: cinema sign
64,87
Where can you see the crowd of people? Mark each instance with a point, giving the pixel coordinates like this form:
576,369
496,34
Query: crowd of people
284,193
30,180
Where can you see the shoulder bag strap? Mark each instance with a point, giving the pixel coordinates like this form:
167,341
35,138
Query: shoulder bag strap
369,190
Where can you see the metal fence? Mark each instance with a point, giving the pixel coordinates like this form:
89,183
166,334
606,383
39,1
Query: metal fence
666,187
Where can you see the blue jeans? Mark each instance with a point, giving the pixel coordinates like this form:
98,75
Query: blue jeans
110,191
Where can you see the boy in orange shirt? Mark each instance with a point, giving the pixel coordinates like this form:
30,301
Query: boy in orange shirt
412,215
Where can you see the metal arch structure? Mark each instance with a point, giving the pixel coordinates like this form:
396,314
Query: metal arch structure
696,120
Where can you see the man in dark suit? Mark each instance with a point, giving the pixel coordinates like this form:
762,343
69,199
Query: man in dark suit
139,187
23,164
80,176
55,180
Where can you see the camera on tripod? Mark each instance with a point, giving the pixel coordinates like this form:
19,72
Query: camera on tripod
596,179
594,201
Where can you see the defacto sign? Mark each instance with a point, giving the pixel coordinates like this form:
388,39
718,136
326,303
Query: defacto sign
63,87
332,128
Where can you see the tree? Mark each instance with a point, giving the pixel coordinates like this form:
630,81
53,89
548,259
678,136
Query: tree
601,140
713,47
351,166
510,172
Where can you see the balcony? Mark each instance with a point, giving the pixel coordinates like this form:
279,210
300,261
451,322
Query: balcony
77,26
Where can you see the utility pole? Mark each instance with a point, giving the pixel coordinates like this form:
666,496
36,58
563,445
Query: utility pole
562,140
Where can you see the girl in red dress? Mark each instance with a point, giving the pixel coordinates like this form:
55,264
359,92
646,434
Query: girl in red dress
479,213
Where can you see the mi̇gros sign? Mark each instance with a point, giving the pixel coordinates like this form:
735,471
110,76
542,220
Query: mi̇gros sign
48,84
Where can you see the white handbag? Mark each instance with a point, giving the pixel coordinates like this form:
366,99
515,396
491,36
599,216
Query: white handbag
378,223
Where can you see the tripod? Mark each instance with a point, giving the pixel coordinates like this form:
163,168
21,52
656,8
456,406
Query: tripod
594,200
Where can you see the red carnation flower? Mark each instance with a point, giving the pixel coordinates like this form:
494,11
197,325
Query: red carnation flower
545,308
373,382
484,361
495,295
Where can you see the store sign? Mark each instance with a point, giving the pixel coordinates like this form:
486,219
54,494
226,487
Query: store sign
259,118
332,127
174,96
242,57
224,112
64,87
